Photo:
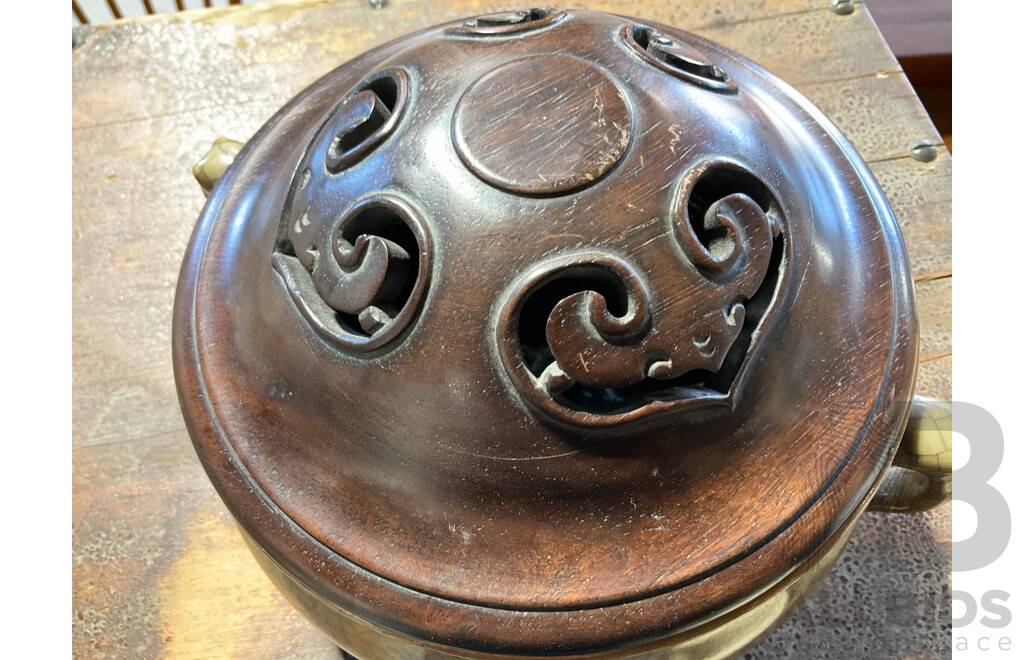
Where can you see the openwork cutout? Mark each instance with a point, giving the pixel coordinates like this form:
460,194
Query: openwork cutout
507,23
680,59
359,281
357,273
589,341
364,118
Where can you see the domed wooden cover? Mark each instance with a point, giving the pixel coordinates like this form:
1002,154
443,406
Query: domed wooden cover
545,330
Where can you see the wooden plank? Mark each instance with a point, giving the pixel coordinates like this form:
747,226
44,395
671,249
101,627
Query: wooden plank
921,196
860,105
812,46
935,313
157,568
273,50
935,379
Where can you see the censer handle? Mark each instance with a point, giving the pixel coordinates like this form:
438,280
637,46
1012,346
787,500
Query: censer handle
212,166
921,476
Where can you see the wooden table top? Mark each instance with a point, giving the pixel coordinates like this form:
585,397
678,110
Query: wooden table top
158,567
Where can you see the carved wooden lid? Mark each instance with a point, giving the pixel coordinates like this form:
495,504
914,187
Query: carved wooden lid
549,322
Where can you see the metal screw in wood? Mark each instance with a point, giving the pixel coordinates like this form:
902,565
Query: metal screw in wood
922,150
842,7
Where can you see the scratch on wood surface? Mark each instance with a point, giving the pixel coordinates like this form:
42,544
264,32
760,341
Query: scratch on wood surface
928,357
933,275
273,103
881,73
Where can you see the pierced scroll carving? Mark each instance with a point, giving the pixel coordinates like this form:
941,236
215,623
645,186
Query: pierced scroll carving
359,273
593,339
360,281
676,57
364,118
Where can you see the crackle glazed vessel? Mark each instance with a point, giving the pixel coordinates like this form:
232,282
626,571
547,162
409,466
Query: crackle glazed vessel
550,333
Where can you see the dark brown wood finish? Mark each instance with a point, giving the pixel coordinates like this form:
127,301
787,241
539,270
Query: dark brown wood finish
412,486
542,125
445,480
159,569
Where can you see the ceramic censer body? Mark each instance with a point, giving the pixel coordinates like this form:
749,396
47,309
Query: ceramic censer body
549,333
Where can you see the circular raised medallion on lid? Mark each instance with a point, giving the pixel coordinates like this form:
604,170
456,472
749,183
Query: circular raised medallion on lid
542,125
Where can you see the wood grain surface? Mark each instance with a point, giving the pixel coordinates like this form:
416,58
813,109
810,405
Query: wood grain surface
158,568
